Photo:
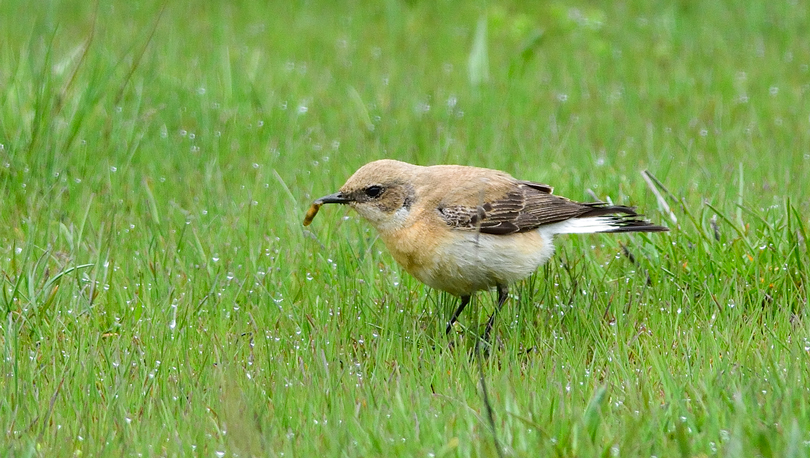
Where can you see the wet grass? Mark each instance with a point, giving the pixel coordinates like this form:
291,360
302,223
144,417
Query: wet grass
161,298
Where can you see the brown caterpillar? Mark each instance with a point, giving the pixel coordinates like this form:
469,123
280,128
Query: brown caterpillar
313,210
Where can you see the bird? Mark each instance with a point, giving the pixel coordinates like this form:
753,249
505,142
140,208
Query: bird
463,229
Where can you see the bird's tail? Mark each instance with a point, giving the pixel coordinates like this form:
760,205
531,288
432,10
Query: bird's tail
601,217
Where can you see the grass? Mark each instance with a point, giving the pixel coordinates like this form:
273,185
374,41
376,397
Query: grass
161,298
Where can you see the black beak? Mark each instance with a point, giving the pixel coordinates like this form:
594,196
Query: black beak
336,198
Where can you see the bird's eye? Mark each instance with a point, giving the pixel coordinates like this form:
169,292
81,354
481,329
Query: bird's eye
374,191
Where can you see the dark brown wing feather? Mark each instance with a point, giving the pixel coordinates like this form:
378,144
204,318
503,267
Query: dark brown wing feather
527,207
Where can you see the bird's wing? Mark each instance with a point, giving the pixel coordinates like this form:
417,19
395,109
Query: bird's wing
524,207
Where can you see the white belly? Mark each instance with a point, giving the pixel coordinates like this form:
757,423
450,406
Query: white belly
472,262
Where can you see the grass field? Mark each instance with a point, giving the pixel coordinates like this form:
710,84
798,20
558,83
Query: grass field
160,296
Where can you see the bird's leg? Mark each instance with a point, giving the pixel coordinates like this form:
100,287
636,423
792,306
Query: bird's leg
503,293
464,301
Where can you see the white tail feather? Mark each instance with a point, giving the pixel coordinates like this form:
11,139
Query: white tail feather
582,226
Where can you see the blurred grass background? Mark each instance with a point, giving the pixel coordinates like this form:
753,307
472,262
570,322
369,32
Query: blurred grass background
160,296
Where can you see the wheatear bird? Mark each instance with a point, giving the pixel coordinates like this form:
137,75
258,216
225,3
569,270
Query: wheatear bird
463,229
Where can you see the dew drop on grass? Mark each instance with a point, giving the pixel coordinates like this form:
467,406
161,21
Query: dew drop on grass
215,258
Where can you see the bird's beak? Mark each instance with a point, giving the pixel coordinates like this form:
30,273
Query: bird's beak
336,198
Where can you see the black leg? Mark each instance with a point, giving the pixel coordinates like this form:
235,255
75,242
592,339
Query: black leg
503,293
464,301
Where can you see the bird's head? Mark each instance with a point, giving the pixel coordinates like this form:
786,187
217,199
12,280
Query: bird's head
382,192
